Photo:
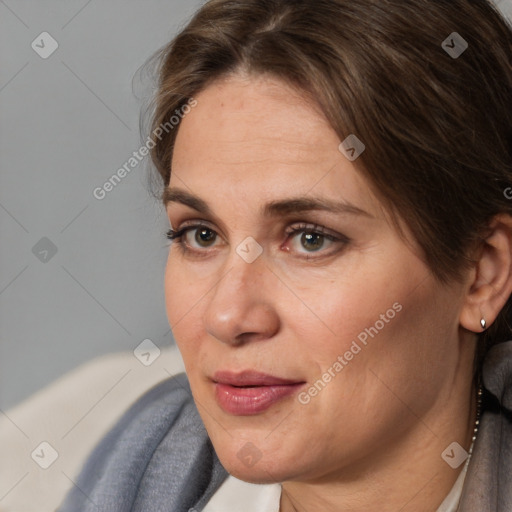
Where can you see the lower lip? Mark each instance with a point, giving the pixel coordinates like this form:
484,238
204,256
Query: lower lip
247,401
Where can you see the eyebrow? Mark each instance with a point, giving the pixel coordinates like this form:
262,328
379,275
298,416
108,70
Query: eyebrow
271,209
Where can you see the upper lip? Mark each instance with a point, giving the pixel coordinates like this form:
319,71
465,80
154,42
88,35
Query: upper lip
250,378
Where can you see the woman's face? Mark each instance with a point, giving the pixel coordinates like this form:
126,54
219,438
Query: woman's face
314,337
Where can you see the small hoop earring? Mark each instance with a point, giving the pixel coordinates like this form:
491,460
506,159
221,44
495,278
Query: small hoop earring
483,323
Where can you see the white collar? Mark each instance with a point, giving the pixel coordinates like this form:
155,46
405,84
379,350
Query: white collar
235,494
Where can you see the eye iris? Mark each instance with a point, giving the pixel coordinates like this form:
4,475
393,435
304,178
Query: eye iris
204,236
312,241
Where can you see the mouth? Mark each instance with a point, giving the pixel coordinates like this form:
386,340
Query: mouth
250,392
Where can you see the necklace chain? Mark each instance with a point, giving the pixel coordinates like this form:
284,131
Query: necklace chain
479,395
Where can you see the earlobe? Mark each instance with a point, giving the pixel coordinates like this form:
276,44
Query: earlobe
490,281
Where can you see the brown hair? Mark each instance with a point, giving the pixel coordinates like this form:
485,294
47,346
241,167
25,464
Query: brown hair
437,127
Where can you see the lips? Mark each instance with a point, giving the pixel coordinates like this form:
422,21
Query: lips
250,378
251,392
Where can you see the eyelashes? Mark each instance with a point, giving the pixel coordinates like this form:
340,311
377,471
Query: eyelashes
179,235
321,241
171,234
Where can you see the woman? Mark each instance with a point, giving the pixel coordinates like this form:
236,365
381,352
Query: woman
339,278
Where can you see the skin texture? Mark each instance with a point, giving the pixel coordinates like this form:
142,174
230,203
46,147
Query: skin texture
372,438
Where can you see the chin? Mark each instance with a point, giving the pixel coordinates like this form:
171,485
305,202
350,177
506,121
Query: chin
259,473
245,461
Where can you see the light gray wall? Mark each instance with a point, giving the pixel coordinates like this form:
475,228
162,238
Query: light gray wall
505,7
67,123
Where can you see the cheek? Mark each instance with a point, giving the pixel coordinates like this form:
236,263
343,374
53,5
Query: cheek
186,284
182,299
381,325
409,339
329,317
372,384
172,284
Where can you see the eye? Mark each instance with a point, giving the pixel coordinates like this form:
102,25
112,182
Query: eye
311,238
312,241
205,237
305,239
192,238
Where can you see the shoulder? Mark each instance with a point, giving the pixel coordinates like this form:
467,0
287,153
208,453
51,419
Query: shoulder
69,416
118,463
157,454
497,373
487,487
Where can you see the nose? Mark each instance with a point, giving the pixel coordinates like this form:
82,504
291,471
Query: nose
240,307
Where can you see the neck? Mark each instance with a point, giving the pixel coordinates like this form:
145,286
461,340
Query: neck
408,474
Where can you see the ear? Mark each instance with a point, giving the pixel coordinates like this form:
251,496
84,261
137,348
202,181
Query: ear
490,281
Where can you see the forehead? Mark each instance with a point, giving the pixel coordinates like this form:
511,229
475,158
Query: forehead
256,137
262,116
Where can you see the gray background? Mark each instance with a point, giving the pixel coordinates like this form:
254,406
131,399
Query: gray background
67,124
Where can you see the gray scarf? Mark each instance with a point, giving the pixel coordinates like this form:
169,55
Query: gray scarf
158,458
